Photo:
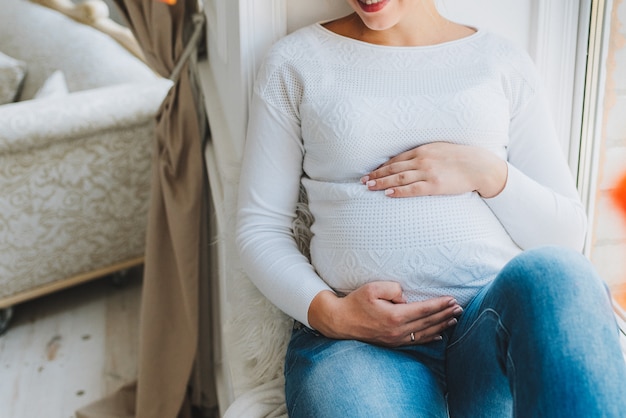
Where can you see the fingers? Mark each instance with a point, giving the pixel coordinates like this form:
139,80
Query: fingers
393,180
429,319
403,179
398,173
435,313
378,313
440,169
430,328
405,184
421,188
406,155
425,321
384,290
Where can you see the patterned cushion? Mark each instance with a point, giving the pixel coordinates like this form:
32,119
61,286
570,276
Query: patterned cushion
12,74
88,58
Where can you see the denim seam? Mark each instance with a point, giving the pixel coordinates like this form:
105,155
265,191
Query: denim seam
500,328
511,371
482,317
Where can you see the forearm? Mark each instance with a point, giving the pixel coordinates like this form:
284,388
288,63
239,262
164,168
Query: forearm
320,314
534,215
269,188
539,204
282,274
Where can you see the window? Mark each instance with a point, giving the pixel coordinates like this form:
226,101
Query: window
603,142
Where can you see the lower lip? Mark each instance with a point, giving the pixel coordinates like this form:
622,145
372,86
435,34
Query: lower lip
372,8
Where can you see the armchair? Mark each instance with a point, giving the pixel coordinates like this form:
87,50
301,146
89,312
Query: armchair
74,167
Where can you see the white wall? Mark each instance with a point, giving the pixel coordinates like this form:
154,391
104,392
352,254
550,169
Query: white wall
511,18
225,65
304,12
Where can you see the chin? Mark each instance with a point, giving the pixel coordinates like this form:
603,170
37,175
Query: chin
383,19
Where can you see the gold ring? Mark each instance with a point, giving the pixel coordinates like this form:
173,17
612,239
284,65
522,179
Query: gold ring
412,337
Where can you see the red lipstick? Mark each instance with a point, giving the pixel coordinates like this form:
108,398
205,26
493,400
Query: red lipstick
374,7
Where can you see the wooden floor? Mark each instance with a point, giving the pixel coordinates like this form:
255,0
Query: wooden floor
70,348
65,350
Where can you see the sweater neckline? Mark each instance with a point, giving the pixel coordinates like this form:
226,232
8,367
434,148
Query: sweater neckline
478,33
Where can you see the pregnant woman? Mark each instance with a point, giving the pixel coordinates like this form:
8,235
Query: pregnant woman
445,276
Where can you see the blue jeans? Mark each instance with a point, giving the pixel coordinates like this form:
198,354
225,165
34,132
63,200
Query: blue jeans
539,341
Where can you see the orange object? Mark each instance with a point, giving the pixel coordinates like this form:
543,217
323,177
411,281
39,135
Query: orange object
170,2
619,194
619,294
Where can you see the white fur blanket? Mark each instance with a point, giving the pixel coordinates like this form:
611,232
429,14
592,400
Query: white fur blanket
255,333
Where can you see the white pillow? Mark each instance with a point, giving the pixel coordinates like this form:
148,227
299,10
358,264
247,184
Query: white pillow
12,73
55,85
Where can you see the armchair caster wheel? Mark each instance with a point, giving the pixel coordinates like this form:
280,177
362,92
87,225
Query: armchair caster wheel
5,318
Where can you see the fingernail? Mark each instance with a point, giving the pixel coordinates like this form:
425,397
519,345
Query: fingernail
438,338
458,311
451,322
389,192
364,179
452,302
371,183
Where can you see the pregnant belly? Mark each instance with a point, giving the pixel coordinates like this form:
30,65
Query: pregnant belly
424,243
348,216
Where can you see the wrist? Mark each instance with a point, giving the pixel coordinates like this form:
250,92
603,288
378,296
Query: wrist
494,179
321,315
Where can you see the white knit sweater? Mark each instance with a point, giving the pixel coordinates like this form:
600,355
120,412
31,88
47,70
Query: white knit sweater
328,109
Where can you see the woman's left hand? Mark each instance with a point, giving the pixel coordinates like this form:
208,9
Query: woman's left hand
440,168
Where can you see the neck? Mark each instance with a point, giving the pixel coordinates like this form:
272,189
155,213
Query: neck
420,26
406,34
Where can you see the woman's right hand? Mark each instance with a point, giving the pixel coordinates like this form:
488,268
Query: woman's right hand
378,313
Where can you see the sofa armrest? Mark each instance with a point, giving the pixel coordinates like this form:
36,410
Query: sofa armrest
95,13
37,123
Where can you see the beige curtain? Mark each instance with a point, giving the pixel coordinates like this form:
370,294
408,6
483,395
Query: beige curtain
174,377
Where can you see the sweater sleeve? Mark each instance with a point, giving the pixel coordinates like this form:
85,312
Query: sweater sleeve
268,194
539,204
